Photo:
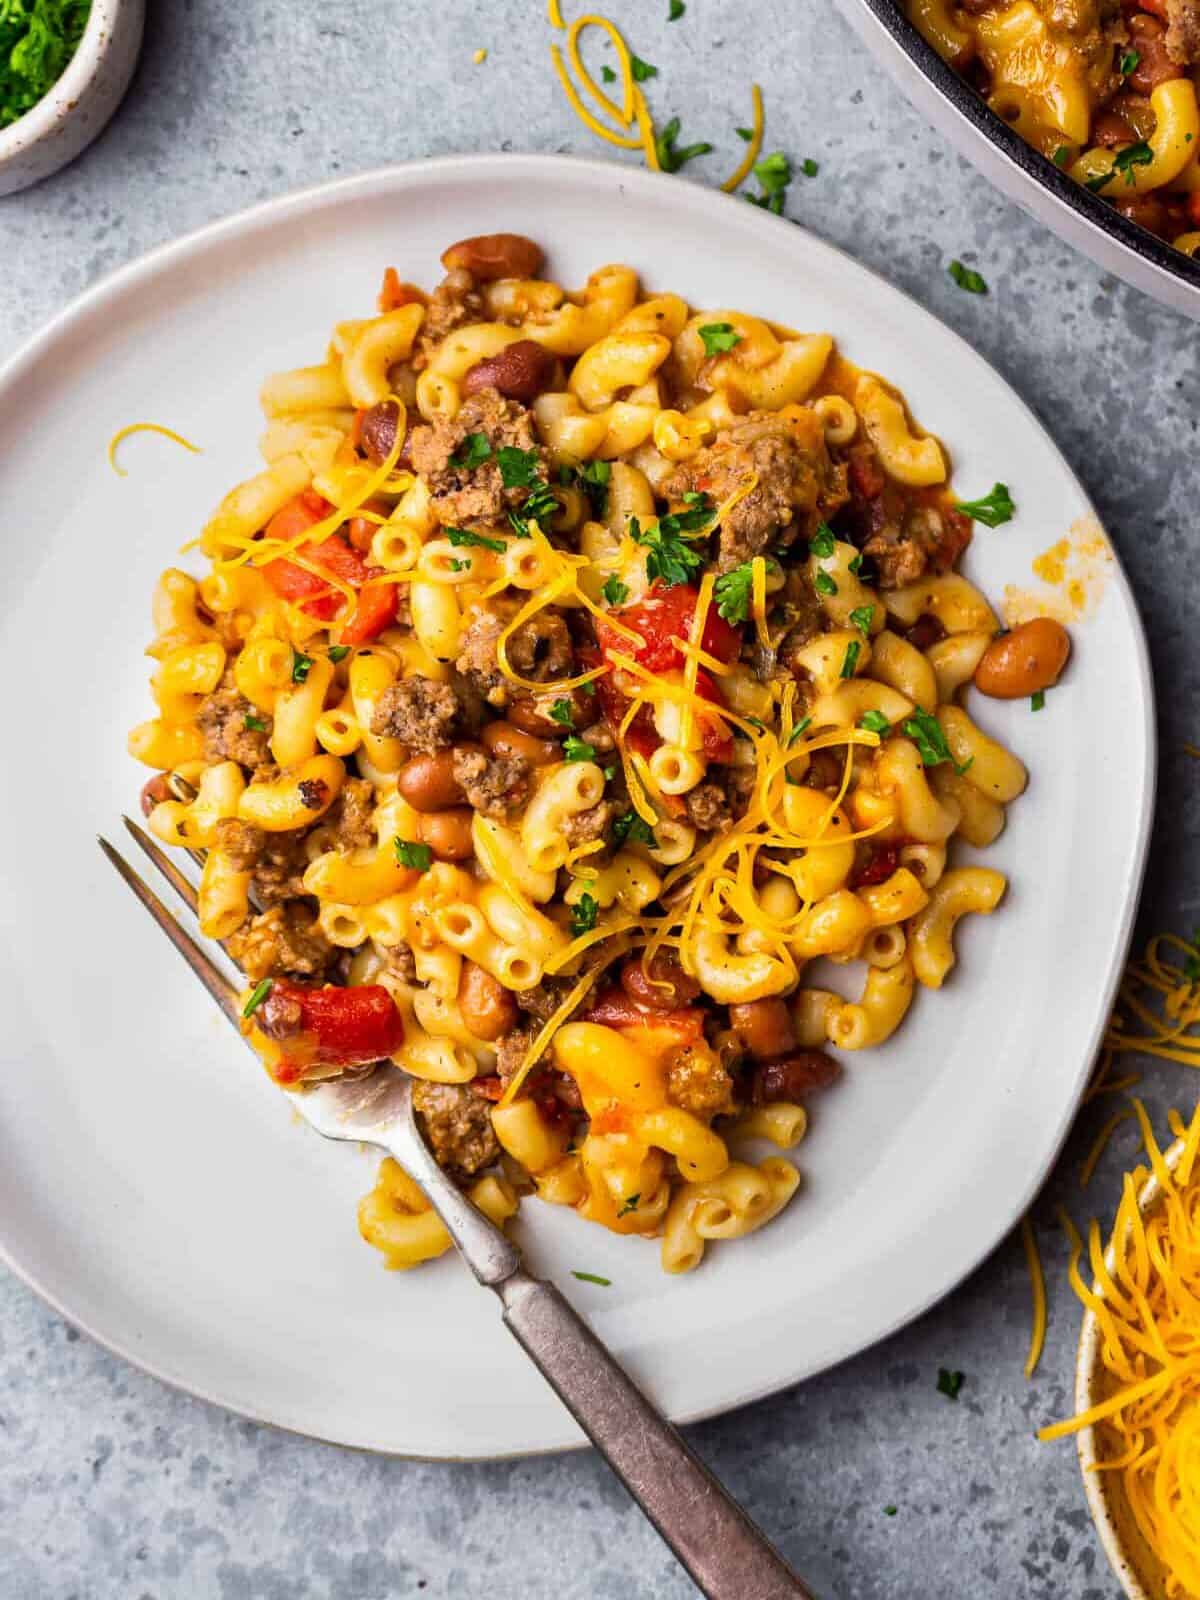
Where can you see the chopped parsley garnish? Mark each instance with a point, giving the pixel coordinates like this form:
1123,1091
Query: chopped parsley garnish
876,722
797,731
774,173
260,993
631,1204
540,505
1062,155
583,915
992,510
254,724
855,564
591,1277
824,584
862,617
809,167
1128,62
670,156
949,1383
609,772
925,731
719,337
850,659
614,591
967,278
459,566
593,478
668,555
676,11
519,469
408,854
890,1511
300,666
577,749
1038,700
608,74
472,452
563,712
37,40
641,69
629,828
823,541
459,537
745,134
338,652
1133,155
734,591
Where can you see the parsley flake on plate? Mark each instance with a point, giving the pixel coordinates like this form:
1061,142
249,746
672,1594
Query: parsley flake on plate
592,1277
797,731
1038,700
774,173
338,652
719,337
254,724
641,69
629,828
995,508
614,591
809,167
876,722
823,541
668,555
824,584
1128,62
301,665
926,732
607,73
676,11
408,854
577,749
563,712
519,469
967,278
861,618
1062,156
850,659
583,915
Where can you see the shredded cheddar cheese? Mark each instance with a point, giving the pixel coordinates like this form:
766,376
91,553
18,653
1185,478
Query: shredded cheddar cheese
1037,1283
746,166
1158,1004
1145,1296
114,444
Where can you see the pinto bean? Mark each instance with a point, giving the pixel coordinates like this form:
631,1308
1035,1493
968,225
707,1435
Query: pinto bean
520,371
378,433
156,789
644,987
792,1077
485,1005
1022,662
428,783
448,833
764,1027
502,739
1111,130
1149,38
488,256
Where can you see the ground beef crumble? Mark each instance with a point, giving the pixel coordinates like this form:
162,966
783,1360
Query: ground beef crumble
222,721
455,303
797,483
285,939
460,495
493,785
458,1126
422,713
698,1082
540,650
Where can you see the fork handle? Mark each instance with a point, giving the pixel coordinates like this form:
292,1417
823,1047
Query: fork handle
722,1550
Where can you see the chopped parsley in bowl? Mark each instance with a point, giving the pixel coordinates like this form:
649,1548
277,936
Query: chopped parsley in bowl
37,41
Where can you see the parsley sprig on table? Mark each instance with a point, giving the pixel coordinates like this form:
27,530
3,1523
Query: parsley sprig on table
37,40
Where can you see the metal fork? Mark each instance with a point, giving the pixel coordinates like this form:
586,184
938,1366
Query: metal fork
723,1551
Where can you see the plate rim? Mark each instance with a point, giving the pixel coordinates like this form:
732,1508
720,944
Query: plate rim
277,209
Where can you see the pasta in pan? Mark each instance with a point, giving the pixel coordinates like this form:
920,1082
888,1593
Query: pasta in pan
577,671
1105,88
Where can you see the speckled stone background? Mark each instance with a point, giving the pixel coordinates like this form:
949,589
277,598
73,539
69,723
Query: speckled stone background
113,1488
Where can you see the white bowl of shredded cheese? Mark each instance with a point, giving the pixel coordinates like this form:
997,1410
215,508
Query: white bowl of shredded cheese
1146,1512
76,108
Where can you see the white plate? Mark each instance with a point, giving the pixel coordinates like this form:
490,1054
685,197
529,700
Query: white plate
153,1185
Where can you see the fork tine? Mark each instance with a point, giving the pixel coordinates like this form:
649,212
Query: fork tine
222,991
185,890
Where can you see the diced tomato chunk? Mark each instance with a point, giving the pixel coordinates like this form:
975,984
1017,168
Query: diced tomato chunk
337,1027
665,614
309,590
877,867
376,610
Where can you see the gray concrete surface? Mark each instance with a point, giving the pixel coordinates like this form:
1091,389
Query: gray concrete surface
113,1488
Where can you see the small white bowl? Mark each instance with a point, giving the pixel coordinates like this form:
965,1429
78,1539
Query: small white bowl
66,120
1138,1570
